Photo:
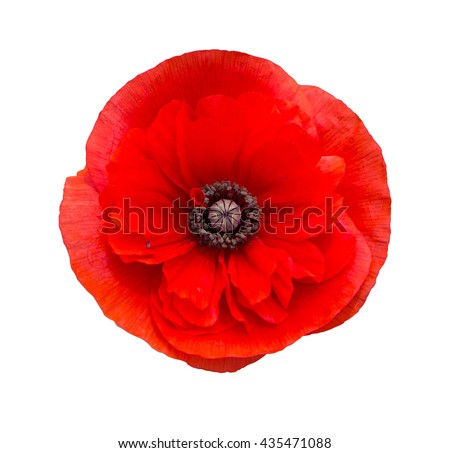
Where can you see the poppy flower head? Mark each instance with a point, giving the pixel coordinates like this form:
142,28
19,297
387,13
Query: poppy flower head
226,211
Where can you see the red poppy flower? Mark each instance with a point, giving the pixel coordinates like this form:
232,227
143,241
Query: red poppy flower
225,211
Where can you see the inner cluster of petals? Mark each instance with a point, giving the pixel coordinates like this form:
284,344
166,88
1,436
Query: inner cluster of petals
260,143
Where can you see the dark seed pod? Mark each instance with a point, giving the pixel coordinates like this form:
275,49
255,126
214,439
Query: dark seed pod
224,216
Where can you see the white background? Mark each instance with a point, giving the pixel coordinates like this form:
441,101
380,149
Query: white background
71,381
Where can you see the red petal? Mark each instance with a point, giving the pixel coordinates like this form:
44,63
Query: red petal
150,249
268,309
272,309
251,269
364,186
210,145
132,147
276,171
197,276
271,117
149,230
282,286
198,196
337,248
236,311
133,170
190,76
202,318
163,136
307,259
181,311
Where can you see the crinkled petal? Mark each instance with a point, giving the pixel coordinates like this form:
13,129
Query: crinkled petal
277,172
187,77
364,186
307,259
197,276
209,145
269,310
148,229
184,313
150,249
272,117
163,136
337,248
252,268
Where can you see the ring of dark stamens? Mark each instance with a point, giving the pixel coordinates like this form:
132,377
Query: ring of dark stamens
249,222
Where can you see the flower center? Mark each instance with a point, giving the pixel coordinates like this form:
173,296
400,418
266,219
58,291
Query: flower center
228,215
